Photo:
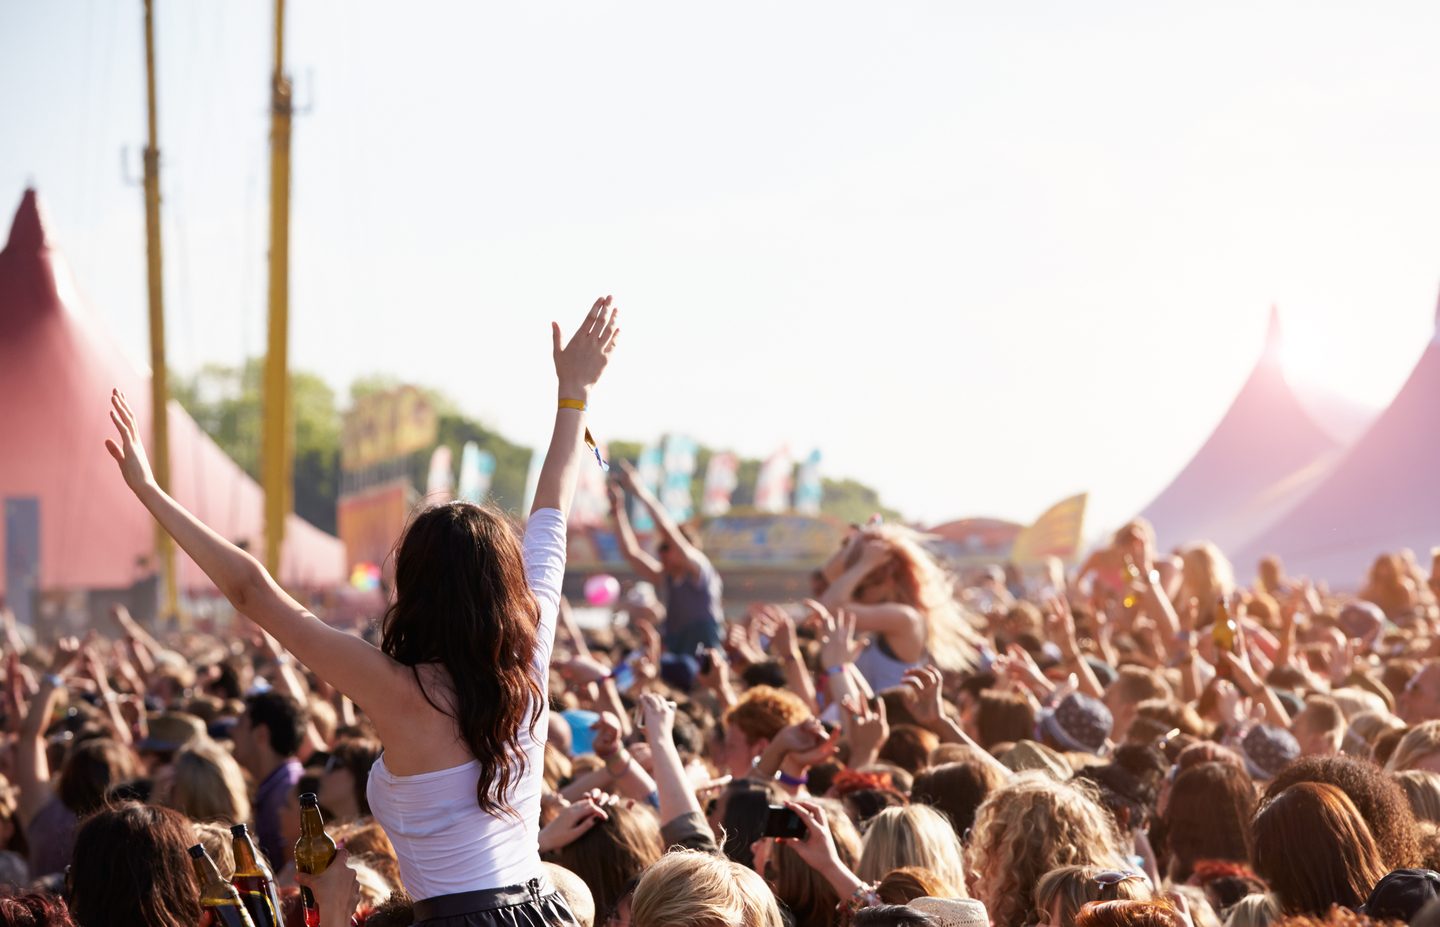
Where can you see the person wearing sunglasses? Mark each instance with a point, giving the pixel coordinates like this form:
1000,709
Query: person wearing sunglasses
1061,893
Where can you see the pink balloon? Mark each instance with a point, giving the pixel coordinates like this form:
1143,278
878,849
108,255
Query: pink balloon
601,590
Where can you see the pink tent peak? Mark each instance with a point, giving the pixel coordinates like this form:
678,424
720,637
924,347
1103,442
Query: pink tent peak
1382,496
1265,454
56,373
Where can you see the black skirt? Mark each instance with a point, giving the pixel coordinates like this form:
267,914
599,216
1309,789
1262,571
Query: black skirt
534,904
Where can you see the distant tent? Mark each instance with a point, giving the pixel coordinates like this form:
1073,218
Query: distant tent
1384,495
56,374
1266,454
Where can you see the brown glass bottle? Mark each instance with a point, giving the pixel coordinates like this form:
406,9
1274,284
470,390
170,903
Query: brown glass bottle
314,851
216,895
1223,633
255,881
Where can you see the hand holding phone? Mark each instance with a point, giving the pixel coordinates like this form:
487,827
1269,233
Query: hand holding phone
780,821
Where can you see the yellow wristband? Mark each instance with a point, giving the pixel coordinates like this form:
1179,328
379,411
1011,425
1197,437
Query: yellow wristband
577,404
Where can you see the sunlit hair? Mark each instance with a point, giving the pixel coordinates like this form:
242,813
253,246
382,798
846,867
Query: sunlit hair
913,835
1419,742
1206,575
1028,827
1422,788
1208,816
132,868
613,852
917,579
218,842
904,885
1073,887
764,711
687,888
208,785
1130,914
1314,849
806,894
1272,576
462,603
1377,795
91,769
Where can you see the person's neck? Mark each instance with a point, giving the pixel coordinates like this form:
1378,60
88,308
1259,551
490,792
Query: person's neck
267,763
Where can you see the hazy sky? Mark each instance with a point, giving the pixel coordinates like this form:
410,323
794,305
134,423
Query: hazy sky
984,256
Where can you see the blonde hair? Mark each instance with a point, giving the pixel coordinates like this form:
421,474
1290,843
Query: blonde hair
1028,827
1354,701
1253,911
1422,789
208,785
1075,886
1419,742
798,885
218,843
1207,575
913,835
922,583
687,888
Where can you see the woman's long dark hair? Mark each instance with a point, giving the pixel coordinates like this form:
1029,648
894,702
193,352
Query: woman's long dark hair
461,601
131,867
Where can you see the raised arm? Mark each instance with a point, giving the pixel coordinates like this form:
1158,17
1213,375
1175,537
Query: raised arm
664,522
370,678
578,366
644,565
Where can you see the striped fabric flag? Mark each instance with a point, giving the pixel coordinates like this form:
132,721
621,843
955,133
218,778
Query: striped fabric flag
477,470
679,463
772,486
1057,533
648,467
721,478
440,481
808,490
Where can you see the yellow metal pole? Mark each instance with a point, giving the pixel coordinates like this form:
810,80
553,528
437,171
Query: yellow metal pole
159,386
276,439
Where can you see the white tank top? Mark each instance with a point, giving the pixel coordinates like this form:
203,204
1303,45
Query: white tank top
444,842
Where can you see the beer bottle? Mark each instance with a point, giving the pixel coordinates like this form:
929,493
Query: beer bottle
1223,633
216,895
1132,576
314,852
255,881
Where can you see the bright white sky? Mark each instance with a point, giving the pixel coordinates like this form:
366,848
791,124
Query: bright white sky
984,256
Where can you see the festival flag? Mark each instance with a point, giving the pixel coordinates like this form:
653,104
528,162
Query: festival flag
648,467
440,483
808,489
772,486
720,482
679,463
1057,533
591,508
477,469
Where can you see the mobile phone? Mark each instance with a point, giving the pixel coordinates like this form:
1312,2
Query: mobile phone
782,822
707,662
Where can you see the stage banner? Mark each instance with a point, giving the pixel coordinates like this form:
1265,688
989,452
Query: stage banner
808,490
679,465
720,482
22,556
440,481
477,469
1057,533
369,522
792,541
383,426
772,486
649,467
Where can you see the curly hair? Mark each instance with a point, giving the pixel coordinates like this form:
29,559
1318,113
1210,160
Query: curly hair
765,711
1378,797
1029,827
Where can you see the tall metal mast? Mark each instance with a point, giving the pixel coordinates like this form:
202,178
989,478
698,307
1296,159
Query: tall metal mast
276,467
159,382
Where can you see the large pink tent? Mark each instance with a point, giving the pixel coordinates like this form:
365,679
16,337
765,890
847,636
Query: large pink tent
56,373
1384,495
1266,454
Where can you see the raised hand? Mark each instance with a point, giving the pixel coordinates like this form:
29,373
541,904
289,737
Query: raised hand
67,650
865,728
839,646
130,452
659,715
573,821
578,365
923,690
607,735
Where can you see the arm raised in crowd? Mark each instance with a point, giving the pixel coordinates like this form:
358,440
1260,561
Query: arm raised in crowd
348,663
578,366
645,566
32,765
669,530
885,618
676,795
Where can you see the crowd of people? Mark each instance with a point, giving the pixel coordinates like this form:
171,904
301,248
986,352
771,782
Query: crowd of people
1142,743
